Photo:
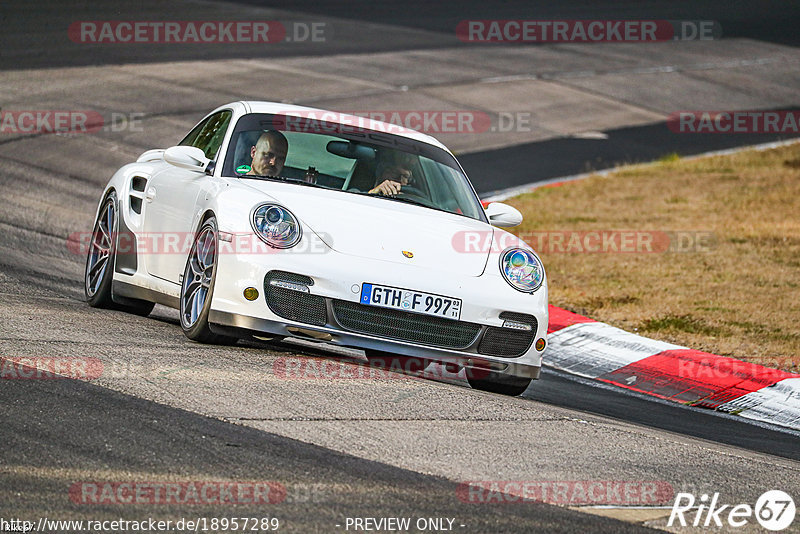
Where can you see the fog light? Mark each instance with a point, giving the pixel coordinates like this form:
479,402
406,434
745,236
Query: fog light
251,293
294,286
540,344
517,325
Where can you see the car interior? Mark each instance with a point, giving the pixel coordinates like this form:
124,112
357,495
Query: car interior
353,166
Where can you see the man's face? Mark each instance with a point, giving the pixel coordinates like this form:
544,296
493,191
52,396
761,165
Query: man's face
268,154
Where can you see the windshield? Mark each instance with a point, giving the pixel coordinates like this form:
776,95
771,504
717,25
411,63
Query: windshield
362,162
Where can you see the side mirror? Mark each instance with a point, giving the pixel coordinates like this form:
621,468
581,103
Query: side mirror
503,215
186,157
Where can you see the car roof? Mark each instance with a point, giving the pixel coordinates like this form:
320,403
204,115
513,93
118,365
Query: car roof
254,106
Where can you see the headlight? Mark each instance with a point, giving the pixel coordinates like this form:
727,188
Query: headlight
522,269
276,226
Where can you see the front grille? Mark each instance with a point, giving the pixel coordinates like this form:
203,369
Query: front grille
405,326
294,305
508,342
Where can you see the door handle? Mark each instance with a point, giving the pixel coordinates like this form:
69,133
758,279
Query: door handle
151,194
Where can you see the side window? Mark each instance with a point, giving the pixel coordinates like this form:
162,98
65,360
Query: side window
208,135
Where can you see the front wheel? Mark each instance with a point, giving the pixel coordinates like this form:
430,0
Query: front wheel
498,382
198,286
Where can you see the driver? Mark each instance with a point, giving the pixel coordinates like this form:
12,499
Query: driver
393,175
269,154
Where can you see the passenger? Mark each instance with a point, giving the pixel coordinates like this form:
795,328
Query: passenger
393,174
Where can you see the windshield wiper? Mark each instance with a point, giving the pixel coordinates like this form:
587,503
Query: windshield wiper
398,199
408,201
281,179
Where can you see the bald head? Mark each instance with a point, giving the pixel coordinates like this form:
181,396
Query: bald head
269,154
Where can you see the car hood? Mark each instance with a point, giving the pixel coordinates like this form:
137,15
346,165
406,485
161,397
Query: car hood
382,229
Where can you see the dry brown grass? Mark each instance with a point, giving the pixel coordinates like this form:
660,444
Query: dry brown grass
741,298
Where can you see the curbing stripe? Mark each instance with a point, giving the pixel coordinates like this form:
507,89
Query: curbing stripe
591,349
779,403
560,318
595,349
694,377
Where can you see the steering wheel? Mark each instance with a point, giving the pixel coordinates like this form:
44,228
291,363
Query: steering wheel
411,191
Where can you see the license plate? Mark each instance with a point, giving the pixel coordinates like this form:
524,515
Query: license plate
410,301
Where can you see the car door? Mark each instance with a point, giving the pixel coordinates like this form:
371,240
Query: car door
171,203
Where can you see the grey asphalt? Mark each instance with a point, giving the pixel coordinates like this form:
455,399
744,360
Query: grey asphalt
34,34
505,168
738,19
59,433
366,447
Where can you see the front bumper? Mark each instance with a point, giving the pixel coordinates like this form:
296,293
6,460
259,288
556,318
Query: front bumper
336,280
239,325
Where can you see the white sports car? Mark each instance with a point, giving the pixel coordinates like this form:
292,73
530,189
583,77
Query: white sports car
275,220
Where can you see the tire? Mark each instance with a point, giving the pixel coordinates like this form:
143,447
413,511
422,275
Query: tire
197,287
396,362
492,382
100,261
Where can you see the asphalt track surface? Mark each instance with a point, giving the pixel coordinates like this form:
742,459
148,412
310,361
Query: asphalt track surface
504,168
738,19
64,432
34,33
168,409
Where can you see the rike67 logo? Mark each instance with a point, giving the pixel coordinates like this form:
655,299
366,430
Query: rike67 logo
774,510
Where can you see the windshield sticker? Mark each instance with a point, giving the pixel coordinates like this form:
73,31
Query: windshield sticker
243,169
